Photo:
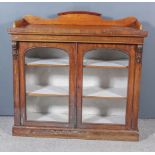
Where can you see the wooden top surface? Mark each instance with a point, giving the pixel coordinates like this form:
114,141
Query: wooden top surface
78,23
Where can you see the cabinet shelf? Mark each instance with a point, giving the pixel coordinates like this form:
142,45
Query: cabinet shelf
93,92
37,62
113,119
48,91
94,63
38,116
88,63
97,92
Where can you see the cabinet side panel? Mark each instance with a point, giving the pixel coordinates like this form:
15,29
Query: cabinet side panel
138,67
130,88
16,83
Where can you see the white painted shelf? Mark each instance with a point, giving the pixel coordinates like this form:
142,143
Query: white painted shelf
113,119
122,63
38,116
47,91
97,92
88,63
63,117
47,62
89,92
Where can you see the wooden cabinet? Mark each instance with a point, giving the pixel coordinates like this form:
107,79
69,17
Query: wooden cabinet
77,76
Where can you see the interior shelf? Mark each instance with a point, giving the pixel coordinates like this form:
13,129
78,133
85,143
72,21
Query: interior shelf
89,92
48,91
97,92
88,63
47,62
113,119
38,116
94,63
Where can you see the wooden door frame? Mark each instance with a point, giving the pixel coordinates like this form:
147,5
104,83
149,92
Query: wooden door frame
128,49
70,48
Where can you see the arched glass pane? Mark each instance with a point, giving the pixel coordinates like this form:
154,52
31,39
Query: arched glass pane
105,80
47,85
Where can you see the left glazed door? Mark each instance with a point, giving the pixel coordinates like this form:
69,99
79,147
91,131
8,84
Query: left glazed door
47,84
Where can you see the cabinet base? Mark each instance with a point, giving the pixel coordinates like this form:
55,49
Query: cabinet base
124,135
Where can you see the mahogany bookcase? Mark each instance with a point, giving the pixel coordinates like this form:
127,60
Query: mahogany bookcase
77,76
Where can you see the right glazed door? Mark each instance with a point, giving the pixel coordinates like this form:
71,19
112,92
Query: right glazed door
105,86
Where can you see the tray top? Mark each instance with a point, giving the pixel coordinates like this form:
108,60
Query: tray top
78,22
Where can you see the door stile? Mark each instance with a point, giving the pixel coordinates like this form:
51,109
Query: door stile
73,85
79,85
22,83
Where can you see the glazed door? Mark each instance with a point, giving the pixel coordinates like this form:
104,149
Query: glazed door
105,86
47,84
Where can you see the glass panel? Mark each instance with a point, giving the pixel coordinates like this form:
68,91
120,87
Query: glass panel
105,78
47,85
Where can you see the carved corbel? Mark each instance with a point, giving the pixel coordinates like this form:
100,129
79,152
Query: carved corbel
15,49
139,53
